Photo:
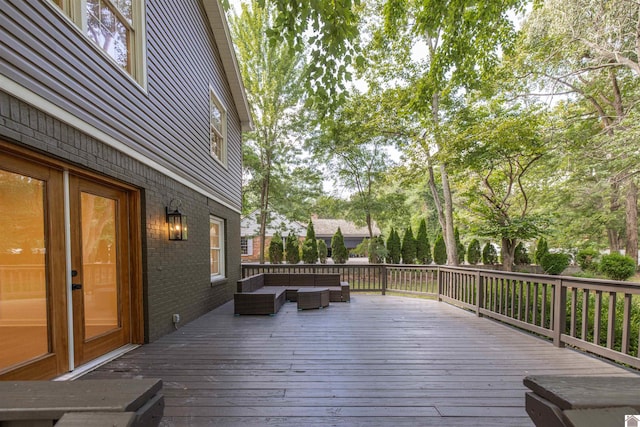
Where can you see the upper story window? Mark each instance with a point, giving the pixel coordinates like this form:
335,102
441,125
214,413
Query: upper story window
116,27
217,128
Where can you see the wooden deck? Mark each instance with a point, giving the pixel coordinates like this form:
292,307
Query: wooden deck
377,361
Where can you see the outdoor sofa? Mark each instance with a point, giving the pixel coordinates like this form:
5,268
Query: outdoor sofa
265,293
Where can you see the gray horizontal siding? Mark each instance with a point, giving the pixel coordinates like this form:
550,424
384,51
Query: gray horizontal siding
169,123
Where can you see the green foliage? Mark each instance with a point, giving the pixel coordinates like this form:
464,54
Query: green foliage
394,248
423,249
521,256
554,263
542,248
440,251
473,252
408,247
460,247
339,252
489,254
276,249
310,246
617,267
323,251
377,251
588,259
292,249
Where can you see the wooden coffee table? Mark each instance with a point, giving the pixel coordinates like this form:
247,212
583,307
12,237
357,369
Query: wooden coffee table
309,298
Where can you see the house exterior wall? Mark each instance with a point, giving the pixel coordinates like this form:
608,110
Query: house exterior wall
155,138
175,273
168,121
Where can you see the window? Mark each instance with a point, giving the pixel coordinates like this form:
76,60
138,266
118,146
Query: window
246,246
116,27
217,128
216,239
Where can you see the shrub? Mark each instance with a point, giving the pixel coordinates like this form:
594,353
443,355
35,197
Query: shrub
276,249
617,267
394,251
423,251
440,251
322,251
292,249
588,259
339,252
554,263
310,246
473,252
408,247
377,250
542,248
489,254
521,256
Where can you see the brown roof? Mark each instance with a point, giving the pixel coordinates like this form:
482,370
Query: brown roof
328,227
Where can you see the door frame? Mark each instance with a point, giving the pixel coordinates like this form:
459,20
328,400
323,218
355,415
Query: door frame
59,276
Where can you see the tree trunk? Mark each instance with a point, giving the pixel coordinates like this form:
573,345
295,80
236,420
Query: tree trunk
508,251
612,231
264,211
632,221
450,239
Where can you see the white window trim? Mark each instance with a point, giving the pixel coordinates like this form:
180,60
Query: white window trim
214,99
73,11
249,246
222,256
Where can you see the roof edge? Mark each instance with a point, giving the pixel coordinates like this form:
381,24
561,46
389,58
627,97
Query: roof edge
220,29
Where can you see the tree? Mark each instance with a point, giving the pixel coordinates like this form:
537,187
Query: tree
310,246
322,251
339,252
521,257
292,249
276,249
440,251
462,38
474,255
542,248
423,250
489,254
394,247
497,147
273,76
589,51
352,146
408,247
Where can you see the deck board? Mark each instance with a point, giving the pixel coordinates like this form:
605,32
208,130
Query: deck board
377,361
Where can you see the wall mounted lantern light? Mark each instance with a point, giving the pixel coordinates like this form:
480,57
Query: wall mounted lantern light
177,221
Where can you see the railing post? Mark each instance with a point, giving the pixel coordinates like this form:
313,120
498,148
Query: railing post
479,293
384,279
559,312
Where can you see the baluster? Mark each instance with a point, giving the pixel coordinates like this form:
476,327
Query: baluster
574,297
611,321
585,315
626,324
543,315
596,318
536,288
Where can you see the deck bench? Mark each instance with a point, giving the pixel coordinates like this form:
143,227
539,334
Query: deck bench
559,401
265,293
121,402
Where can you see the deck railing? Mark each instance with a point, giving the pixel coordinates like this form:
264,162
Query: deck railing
599,316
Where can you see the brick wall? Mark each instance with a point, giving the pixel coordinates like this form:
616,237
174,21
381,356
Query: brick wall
176,276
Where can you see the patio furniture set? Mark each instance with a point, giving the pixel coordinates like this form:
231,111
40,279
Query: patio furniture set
266,293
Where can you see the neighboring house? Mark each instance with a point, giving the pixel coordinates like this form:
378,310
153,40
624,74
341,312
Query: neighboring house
111,113
353,234
250,233
324,229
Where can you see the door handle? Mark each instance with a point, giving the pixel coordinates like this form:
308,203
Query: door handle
76,286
